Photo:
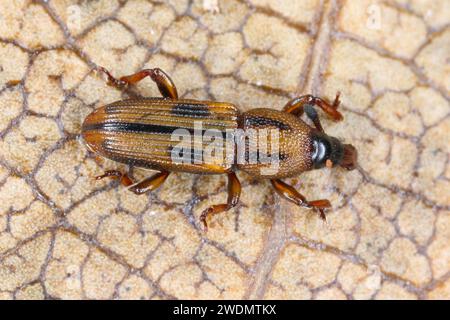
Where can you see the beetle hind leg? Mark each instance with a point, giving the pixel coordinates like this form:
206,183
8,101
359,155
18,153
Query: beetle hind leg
288,192
125,180
165,84
234,193
149,184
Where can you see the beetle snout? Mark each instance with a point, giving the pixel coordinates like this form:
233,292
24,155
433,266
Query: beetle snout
350,158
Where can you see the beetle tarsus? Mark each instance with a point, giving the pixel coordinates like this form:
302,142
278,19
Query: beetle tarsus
111,80
320,206
297,107
213,210
116,174
290,193
146,185
234,193
165,84
337,101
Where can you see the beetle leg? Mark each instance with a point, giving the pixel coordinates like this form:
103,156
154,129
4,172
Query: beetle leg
115,174
162,80
311,113
111,80
288,192
150,183
234,192
298,105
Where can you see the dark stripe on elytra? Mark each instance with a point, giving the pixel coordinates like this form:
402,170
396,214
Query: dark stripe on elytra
130,127
191,110
140,128
259,122
179,109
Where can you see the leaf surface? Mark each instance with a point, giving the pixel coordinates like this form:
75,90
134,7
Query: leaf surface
65,235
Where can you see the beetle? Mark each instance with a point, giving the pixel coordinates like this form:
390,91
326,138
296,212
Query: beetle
139,132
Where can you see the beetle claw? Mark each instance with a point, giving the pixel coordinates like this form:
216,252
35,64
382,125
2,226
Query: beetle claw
110,80
203,217
337,101
110,174
322,215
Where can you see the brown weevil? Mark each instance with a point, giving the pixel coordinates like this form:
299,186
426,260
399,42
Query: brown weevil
145,132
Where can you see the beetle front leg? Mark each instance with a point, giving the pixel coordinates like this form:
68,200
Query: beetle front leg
165,84
234,193
288,192
141,187
306,104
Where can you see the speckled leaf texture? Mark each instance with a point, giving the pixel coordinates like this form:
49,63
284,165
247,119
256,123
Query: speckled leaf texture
65,235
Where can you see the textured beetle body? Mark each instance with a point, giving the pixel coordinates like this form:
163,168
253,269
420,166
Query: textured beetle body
295,142
140,132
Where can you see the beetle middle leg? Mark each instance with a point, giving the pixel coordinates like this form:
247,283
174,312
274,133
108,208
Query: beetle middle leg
306,104
165,84
149,184
234,193
288,192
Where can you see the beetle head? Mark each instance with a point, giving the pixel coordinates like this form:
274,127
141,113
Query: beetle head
329,152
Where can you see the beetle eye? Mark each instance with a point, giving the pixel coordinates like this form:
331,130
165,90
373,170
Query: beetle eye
319,151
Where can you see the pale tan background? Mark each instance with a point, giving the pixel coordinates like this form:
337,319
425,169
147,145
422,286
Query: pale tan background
63,235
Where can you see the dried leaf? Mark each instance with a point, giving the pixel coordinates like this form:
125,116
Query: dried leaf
65,235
